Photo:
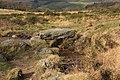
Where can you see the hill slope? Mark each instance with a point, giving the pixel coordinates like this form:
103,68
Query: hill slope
60,45
111,0
43,5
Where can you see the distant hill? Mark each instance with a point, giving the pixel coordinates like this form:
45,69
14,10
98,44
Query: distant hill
20,0
111,0
109,4
63,4
55,0
44,5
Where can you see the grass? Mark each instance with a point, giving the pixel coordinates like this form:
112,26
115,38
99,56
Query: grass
8,11
83,3
77,76
4,66
62,5
107,25
93,25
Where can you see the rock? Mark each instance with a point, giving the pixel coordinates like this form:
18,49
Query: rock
15,74
45,51
12,42
57,33
35,41
45,65
49,74
14,36
2,58
49,62
35,38
48,51
55,37
14,46
42,65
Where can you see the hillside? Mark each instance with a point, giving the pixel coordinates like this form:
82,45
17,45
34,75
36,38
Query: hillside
63,4
69,45
112,5
43,5
59,40
111,0
57,5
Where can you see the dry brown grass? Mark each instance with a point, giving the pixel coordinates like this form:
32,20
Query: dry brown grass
8,11
110,63
95,53
77,76
6,27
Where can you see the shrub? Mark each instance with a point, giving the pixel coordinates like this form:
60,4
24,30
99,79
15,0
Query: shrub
18,21
51,13
32,19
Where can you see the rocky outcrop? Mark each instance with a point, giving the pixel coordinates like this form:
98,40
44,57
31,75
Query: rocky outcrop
11,47
56,36
44,51
35,41
45,69
57,33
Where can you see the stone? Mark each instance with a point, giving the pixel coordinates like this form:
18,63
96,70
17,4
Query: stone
45,69
46,64
55,37
14,46
57,33
12,42
14,36
35,41
45,51
49,51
